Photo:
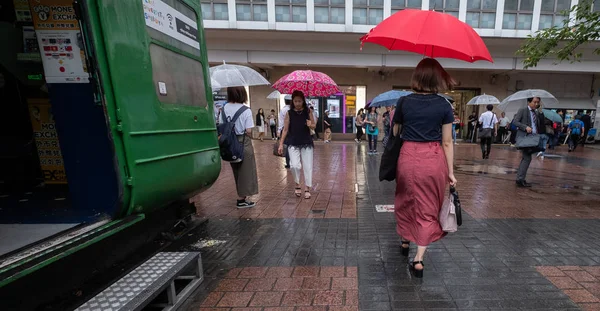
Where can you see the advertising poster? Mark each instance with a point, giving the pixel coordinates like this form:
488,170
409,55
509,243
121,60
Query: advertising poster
164,18
46,141
60,41
333,105
22,10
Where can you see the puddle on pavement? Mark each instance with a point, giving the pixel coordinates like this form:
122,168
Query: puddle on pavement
485,169
206,243
317,211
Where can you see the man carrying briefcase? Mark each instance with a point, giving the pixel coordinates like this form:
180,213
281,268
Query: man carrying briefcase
530,124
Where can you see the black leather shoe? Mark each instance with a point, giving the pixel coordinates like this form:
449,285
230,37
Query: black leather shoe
523,184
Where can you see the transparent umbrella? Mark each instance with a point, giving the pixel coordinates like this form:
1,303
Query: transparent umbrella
519,99
235,75
274,95
483,100
214,84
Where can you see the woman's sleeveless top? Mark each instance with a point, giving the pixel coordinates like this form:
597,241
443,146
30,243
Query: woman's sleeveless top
298,133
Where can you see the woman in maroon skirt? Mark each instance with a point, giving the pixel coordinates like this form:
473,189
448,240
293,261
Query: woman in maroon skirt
425,164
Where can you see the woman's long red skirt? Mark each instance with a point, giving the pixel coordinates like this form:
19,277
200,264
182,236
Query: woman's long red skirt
421,180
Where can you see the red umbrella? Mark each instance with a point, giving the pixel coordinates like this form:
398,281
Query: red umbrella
311,83
430,33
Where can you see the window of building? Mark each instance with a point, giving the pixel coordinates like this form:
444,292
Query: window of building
293,11
330,11
596,6
481,13
251,10
553,13
215,10
518,14
367,12
446,6
180,78
399,5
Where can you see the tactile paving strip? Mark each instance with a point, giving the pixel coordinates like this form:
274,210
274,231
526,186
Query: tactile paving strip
139,285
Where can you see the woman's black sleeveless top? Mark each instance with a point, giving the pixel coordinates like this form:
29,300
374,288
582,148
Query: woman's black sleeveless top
298,133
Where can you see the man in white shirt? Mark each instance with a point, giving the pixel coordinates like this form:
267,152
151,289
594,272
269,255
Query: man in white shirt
489,124
281,121
503,128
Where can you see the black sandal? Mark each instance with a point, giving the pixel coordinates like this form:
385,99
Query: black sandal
418,273
406,249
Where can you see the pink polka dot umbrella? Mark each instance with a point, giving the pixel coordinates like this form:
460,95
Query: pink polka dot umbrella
311,83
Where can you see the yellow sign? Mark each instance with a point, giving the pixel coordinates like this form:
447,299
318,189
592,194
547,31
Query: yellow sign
46,140
53,15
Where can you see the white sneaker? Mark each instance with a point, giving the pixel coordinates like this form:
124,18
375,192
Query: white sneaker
540,154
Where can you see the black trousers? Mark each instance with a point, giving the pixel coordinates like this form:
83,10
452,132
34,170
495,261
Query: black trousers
359,132
501,132
273,131
470,133
486,145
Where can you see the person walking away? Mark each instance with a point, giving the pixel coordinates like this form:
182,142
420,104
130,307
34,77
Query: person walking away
587,125
372,122
489,130
546,137
387,124
360,117
298,123
528,120
281,120
503,128
425,166
316,118
244,173
575,132
471,126
273,124
327,124
455,126
260,123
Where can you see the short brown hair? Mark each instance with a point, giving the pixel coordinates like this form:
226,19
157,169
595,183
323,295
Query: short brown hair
237,94
430,77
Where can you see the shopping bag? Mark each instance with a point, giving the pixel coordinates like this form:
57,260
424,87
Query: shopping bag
448,215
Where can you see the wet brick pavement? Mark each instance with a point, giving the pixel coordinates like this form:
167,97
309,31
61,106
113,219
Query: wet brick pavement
518,249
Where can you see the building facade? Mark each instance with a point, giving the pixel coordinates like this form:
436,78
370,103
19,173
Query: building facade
279,36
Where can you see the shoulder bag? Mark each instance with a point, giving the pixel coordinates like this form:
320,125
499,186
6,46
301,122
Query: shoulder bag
487,132
391,151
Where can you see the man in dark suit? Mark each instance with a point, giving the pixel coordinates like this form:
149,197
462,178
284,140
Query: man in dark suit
528,120
587,125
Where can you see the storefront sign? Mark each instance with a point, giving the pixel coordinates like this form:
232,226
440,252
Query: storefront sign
164,18
60,41
22,10
46,140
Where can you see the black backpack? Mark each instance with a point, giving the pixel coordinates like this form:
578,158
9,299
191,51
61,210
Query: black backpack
231,149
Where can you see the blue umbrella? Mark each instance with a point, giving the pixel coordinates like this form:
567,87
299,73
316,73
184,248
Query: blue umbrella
552,115
389,98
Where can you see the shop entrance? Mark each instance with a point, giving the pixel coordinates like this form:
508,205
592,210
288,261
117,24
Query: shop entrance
57,168
461,97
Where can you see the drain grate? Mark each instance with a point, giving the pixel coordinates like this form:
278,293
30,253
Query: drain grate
317,211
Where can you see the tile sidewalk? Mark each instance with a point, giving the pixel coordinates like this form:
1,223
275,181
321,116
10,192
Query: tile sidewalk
518,249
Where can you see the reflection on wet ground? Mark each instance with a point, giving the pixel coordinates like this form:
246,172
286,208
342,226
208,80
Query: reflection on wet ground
518,249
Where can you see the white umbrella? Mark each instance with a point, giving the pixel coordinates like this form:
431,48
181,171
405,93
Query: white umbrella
274,95
483,100
214,84
519,99
235,75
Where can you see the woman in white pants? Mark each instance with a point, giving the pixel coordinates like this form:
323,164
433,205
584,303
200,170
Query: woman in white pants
296,133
